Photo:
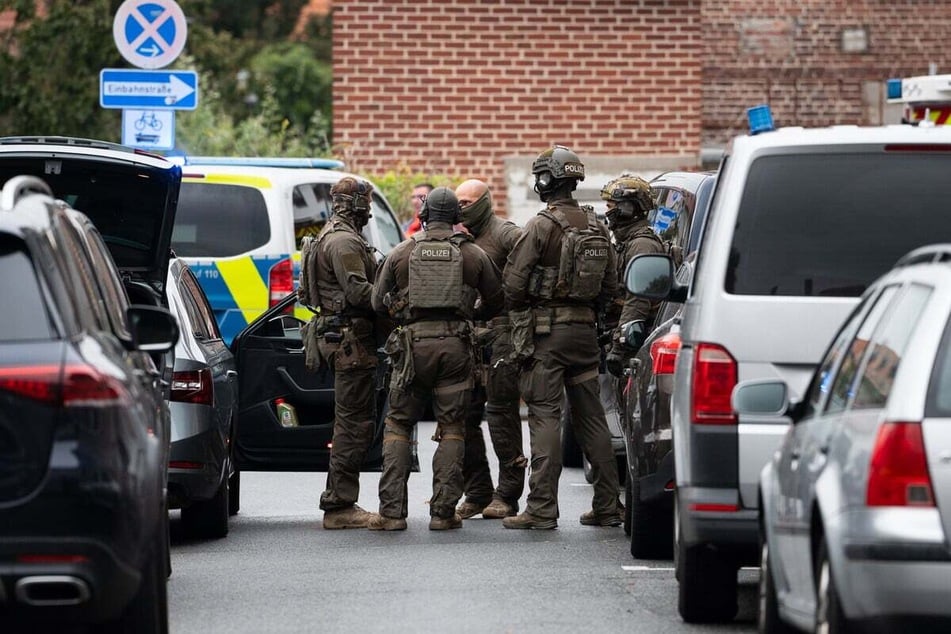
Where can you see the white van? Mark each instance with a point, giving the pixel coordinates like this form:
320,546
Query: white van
802,220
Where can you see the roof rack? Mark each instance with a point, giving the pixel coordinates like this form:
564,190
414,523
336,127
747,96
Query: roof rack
262,161
930,254
20,186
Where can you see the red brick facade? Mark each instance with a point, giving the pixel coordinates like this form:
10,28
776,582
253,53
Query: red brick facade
453,86
790,54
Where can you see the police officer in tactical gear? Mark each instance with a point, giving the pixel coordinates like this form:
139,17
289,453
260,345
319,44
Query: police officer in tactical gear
629,201
497,396
559,274
338,278
429,285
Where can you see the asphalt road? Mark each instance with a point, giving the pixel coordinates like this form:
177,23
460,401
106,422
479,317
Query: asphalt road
279,571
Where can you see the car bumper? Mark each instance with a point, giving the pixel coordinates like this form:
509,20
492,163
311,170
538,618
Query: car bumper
702,523
72,580
658,487
196,467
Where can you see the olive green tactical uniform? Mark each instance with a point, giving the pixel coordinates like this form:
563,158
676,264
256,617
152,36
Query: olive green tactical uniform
339,274
431,353
565,358
633,239
497,399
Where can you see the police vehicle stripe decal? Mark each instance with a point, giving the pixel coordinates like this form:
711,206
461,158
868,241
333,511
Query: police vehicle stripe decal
246,285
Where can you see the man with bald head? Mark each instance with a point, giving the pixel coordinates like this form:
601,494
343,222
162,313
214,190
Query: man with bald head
498,397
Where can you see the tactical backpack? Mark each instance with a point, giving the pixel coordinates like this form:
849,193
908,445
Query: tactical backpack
435,275
584,258
307,292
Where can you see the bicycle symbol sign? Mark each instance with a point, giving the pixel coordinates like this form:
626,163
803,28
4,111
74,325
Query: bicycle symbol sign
150,33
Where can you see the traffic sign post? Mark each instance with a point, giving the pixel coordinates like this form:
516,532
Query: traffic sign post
148,89
150,33
149,129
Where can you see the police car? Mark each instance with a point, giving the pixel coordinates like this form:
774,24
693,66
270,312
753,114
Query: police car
240,222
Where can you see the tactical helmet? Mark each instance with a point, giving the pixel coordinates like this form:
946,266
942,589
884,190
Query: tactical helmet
560,162
441,205
633,196
352,196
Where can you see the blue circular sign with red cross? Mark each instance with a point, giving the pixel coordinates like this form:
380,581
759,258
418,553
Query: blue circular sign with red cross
150,33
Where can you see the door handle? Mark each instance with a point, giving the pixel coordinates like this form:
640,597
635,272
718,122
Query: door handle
231,374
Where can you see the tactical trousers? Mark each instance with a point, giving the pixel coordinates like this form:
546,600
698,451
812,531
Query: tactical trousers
566,361
443,376
354,422
499,401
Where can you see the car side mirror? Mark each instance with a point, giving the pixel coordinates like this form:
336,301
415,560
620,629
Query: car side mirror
652,276
761,397
154,329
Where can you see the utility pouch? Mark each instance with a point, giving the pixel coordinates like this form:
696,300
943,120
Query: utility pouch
543,319
399,353
311,340
541,282
523,333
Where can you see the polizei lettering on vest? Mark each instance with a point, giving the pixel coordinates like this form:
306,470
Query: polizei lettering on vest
435,253
595,253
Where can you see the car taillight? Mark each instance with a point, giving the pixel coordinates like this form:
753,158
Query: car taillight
193,386
664,353
280,281
898,469
72,385
714,377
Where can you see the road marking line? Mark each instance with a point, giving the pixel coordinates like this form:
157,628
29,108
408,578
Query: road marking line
644,568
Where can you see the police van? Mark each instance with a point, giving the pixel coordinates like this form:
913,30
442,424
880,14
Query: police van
240,223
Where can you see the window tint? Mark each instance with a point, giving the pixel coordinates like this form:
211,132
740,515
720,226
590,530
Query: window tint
27,317
829,224
843,383
219,220
312,204
197,305
83,284
110,285
670,219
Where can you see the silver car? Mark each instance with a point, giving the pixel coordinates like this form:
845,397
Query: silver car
203,479
856,504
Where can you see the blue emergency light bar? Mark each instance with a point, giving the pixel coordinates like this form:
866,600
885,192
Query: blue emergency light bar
760,119
893,88
263,161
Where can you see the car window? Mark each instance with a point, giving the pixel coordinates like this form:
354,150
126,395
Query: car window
670,219
888,345
196,304
938,402
117,302
218,220
28,317
386,223
844,379
822,380
76,264
806,222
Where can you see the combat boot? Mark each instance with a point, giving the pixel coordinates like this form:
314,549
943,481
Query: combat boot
468,509
445,523
353,517
382,523
590,518
498,509
526,520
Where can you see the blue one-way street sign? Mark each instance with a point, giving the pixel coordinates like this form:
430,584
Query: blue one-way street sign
148,89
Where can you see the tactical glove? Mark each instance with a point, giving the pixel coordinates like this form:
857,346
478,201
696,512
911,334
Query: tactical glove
615,362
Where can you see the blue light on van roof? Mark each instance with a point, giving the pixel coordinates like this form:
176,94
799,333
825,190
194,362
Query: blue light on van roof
893,88
264,161
760,119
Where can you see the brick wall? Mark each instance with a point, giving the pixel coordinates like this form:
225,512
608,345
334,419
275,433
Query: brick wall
456,86
790,54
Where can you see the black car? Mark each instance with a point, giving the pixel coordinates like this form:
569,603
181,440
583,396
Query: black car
83,425
682,202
